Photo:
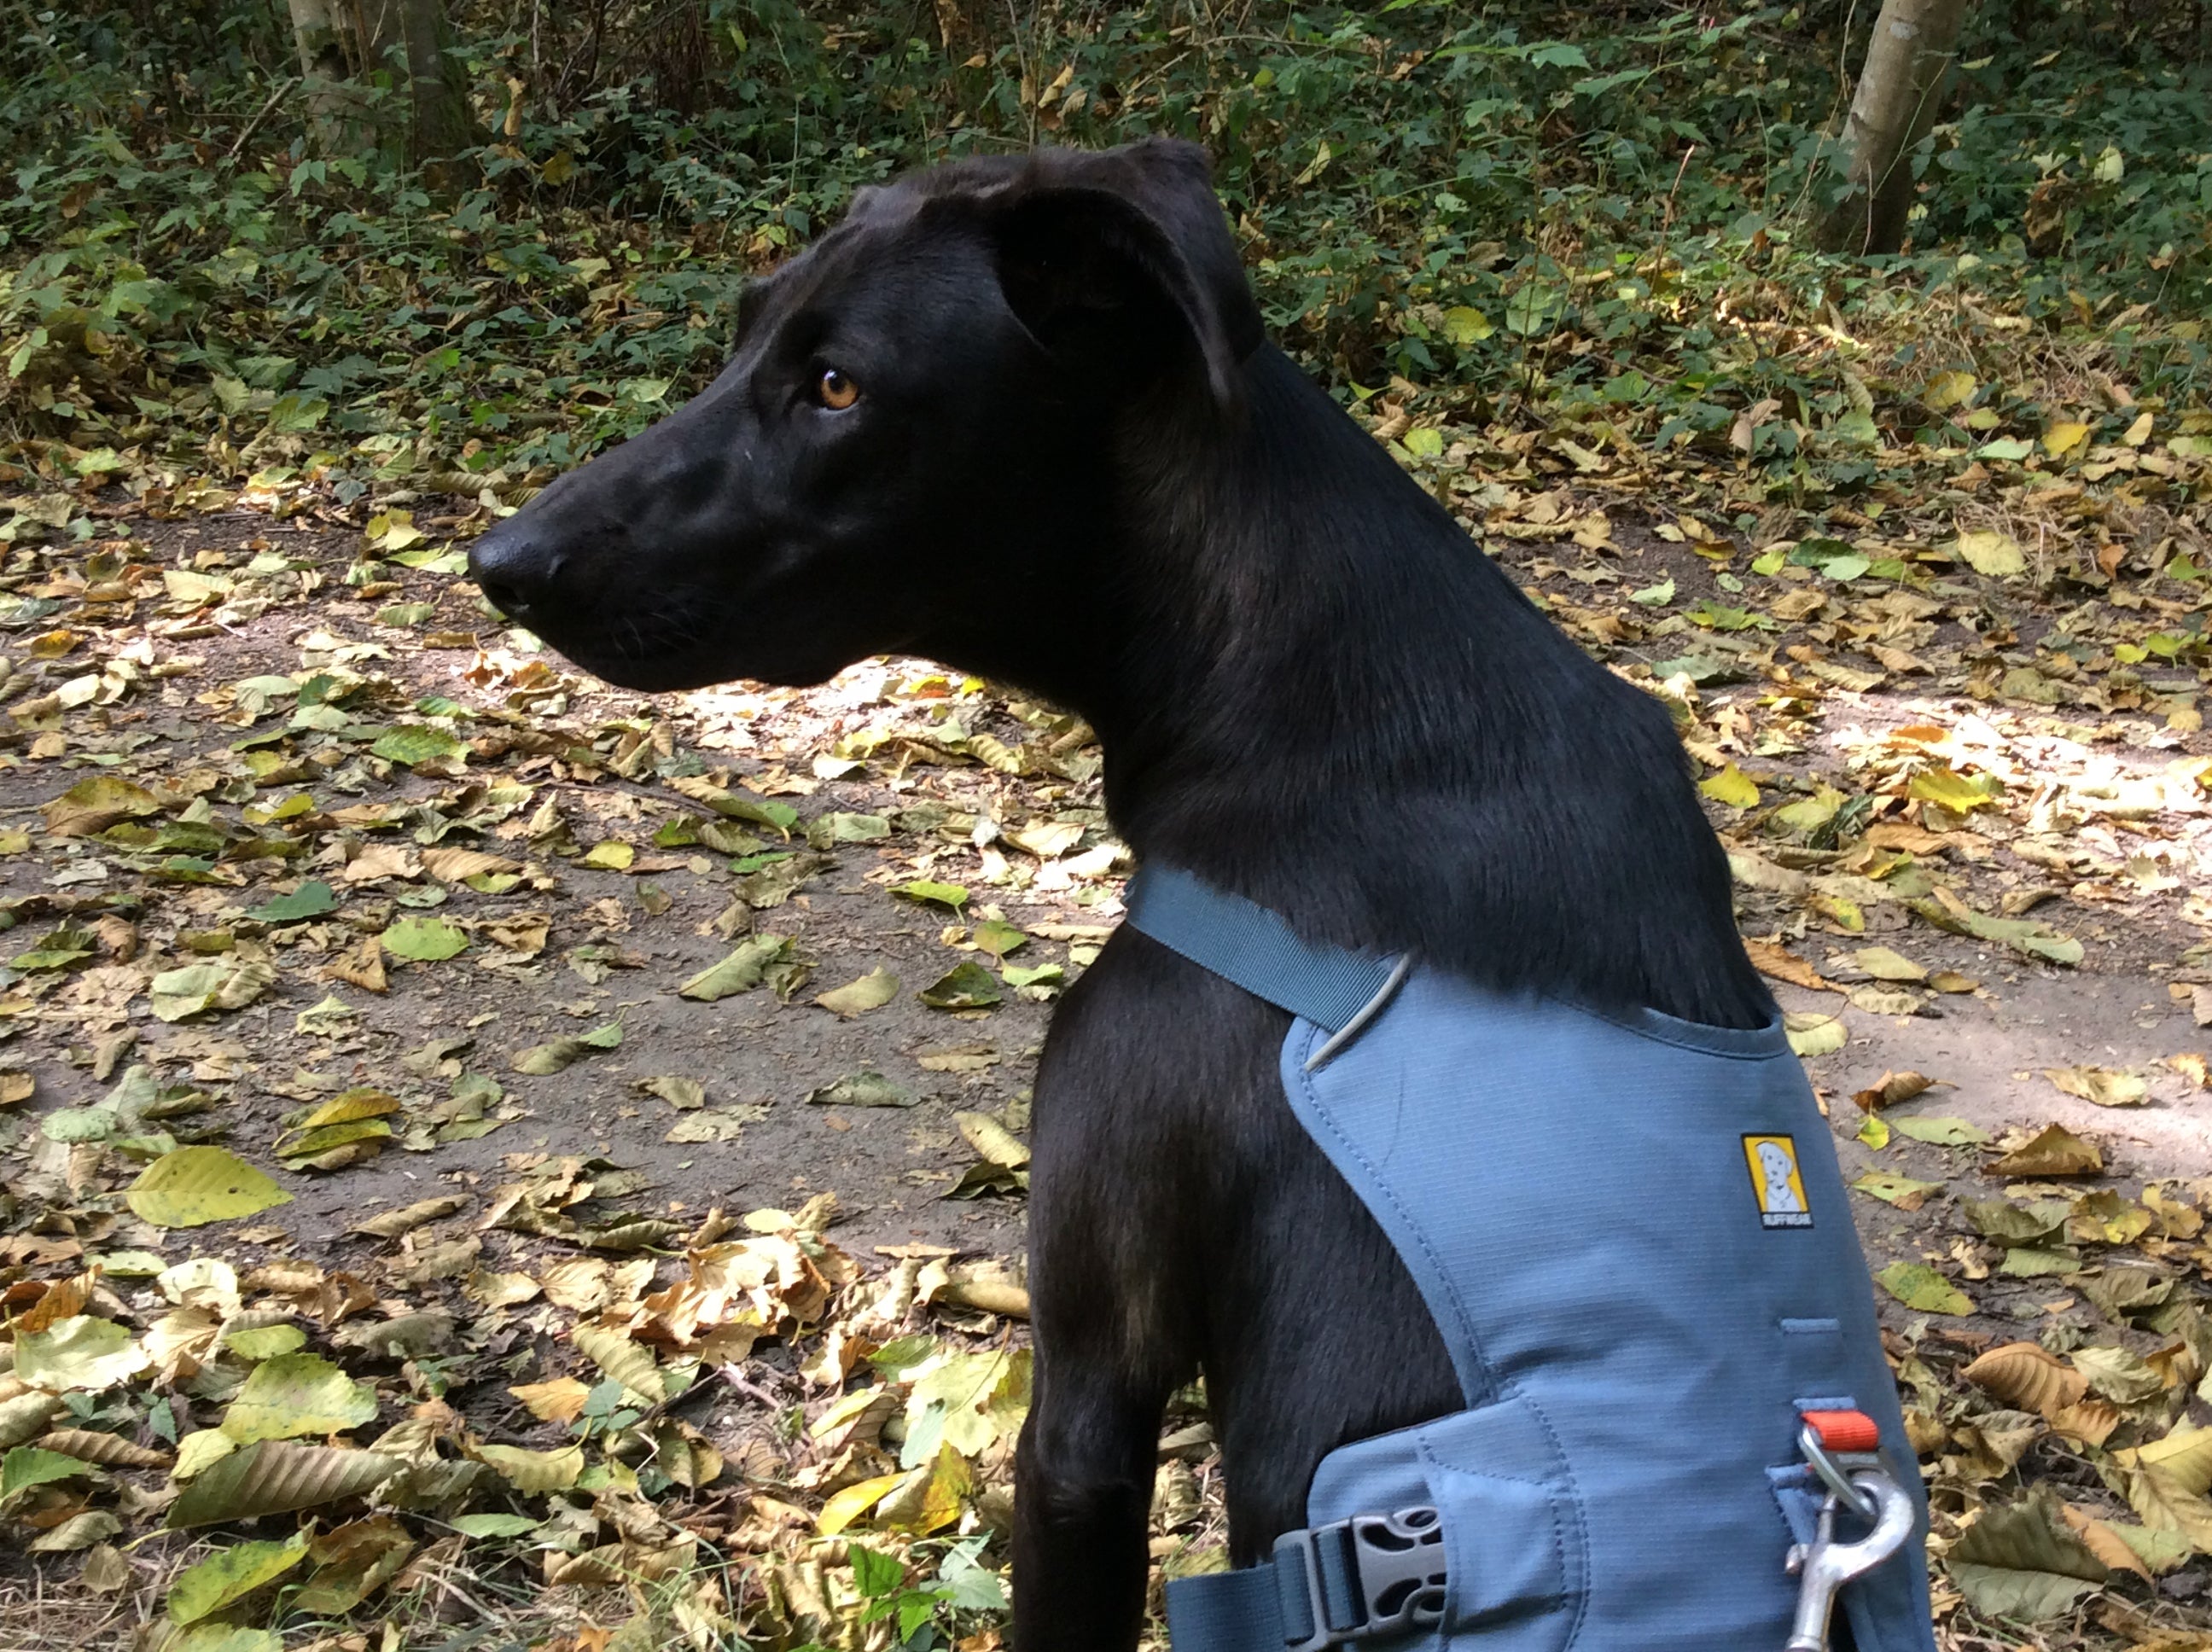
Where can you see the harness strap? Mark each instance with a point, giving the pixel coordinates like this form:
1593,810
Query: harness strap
1247,943
1372,1577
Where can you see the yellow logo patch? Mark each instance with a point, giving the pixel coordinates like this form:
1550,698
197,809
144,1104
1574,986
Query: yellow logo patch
1781,1190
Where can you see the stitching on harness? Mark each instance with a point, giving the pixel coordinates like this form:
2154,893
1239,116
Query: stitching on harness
1552,1508
1810,1328
1682,1040
1474,1342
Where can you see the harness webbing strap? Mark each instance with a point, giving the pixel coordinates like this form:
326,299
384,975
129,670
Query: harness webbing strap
1245,942
1228,1611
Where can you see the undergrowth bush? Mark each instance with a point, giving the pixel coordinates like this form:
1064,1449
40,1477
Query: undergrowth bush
1526,214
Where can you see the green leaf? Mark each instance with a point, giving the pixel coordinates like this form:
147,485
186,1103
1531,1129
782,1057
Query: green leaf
862,1090
1812,1032
424,940
2020,1561
291,1395
999,938
30,1466
493,1525
542,1061
1943,1132
967,986
1922,1289
924,891
412,744
740,972
230,1575
1894,1189
191,1186
311,900
230,984
274,1477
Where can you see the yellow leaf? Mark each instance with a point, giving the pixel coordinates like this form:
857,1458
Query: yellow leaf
610,856
2168,1506
2064,437
628,1363
1732,786
293,1395
854,1502
230,1575
535,1473
1946,390
561,1400
1996,555
78,1352
2099,1085
1947,789
190,1187
2184,1456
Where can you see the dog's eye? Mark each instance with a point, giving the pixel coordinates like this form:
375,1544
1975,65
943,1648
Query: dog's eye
835,390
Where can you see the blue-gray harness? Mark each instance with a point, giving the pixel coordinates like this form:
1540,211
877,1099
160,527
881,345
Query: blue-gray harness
1634,1237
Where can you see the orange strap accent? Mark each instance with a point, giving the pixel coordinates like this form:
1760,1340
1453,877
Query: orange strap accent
1845,1431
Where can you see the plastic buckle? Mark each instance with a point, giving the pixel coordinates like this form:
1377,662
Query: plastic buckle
1393,1565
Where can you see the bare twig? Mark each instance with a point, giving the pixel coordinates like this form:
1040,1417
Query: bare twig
238,144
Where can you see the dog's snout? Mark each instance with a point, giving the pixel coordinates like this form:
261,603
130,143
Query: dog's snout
516,571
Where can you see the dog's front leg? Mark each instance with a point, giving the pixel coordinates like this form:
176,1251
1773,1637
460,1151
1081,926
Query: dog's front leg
1112,1305
1083,1493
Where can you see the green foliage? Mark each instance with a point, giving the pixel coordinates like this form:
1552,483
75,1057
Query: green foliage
1589,215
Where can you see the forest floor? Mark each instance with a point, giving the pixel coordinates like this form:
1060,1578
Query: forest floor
568,1142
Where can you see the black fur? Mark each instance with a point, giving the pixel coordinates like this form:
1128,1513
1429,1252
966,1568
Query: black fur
1075,465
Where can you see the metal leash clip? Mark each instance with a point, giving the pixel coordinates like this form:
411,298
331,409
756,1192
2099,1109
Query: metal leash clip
1840,1447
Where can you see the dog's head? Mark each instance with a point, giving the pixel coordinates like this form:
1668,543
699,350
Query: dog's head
915,411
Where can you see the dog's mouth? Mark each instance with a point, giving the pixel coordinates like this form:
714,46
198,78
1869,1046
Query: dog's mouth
649,652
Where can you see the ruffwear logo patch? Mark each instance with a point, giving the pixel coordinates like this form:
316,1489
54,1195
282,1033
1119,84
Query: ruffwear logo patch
1774,1178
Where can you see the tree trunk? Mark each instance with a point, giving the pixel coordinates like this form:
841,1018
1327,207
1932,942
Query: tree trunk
409,38
1899,92
334,106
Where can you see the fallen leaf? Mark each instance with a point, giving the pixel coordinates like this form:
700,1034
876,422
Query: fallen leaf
871,992
1922,1289
191,1186
2054,1150
2101,1086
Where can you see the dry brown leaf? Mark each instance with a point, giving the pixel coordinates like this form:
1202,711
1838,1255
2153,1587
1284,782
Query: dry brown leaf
2029,1378
1780,963
2103,1541
361,966
2054,1150
1892,1088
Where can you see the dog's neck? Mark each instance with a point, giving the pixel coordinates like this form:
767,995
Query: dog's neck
1316,691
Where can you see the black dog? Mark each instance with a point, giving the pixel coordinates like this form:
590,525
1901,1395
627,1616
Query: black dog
1019,416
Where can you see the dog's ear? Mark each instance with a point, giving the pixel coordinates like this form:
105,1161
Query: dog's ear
1124,260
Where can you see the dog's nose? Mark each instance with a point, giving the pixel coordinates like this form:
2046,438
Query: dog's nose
514,571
